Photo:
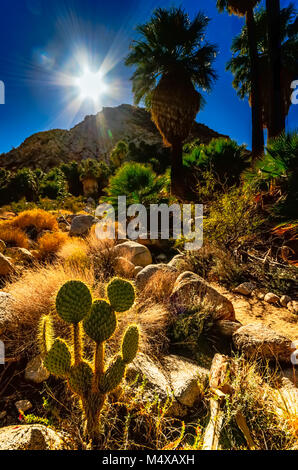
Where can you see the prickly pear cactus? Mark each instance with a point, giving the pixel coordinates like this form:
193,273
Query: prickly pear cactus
101,322
113,375
91,382
121,294
80,378
58,359
73,301
130,344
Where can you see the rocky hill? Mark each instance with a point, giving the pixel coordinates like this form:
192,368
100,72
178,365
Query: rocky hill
92,138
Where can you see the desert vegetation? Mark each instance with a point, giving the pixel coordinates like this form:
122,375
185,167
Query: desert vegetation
129,345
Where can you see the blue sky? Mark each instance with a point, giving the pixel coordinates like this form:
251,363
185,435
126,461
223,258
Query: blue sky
42,42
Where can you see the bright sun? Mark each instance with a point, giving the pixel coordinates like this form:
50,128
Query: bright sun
91,85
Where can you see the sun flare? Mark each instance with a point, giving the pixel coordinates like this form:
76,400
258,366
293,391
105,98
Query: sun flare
90,84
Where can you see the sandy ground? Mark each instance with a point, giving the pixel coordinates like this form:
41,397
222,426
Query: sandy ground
253,310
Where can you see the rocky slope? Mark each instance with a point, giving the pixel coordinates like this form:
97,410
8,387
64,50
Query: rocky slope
92,138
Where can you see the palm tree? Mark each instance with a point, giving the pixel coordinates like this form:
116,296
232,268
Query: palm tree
245,8
276,116
172,60
239,65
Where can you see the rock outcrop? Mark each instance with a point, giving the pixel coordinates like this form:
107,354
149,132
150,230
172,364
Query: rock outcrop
92,138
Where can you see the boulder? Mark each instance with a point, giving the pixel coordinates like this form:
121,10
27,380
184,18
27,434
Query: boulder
81,224
137,269
293,306
271,298
124,267
186,378
146,273
284,300
31,437
6,267
138,254
257,340
180,263
35,370
189,285
226,328
246,288
173,377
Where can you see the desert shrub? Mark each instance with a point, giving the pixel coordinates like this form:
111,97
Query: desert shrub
223,157
24,184
118,154
159,287
138,182
155,155
37,218
13,236
50,243
54,184
232,216
74,253
278,169
227,270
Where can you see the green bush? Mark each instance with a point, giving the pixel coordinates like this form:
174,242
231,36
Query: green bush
138,183
279,169
232,216
54,184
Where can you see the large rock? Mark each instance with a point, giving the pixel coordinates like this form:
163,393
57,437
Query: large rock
136,253
246,288
35,370
6,267
271,298
144,276
81,224
189,285
181,263
257,340
293,306
32,437
185,377
174,377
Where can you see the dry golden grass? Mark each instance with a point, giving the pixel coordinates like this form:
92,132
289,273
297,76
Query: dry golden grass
73,253
50,243
13,236
34,295
38,218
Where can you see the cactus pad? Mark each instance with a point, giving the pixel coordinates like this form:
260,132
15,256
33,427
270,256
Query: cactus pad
73,301
80,378
130,344
101,322
121,294
58,359
113,375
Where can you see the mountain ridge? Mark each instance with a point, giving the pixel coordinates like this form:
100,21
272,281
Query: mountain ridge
93,137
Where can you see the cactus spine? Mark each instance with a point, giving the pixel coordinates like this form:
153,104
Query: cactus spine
97,319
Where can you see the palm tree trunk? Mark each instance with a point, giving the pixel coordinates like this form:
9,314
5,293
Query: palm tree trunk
276,113
177,173
256,108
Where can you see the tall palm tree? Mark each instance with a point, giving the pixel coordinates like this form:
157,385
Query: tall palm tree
172,60
239,65
245,8
276,116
